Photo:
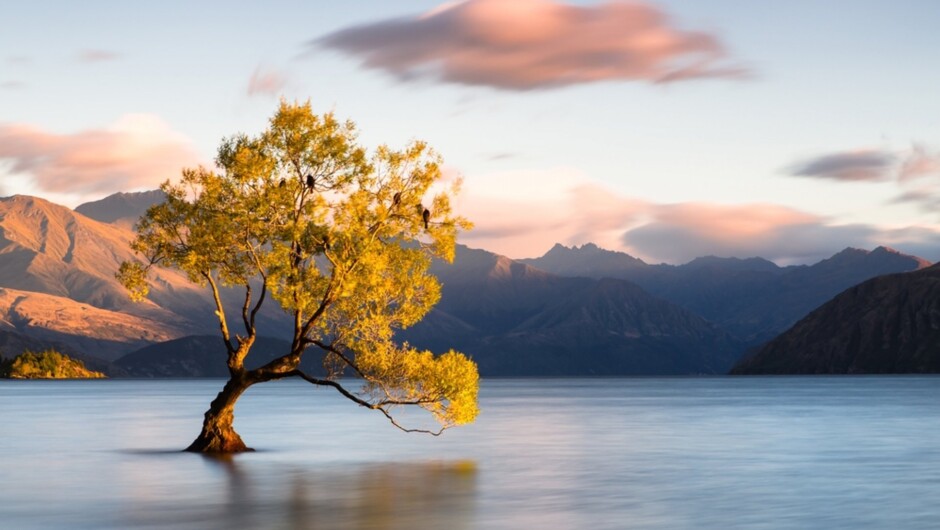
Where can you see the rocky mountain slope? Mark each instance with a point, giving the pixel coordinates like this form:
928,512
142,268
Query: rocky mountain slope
890,324
57,282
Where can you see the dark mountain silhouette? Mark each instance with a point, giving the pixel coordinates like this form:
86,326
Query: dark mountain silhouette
517,320
752,298
889,324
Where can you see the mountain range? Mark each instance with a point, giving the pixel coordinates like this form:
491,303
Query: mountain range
753,299
573,311
518,320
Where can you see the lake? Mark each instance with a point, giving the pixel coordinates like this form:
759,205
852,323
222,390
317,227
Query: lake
754,452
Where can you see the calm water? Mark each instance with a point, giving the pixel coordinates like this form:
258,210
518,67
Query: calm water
610,453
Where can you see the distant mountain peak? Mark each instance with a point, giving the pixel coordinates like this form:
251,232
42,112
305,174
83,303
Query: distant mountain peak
879,254
852,251
121,208
733,264
590,249
587,260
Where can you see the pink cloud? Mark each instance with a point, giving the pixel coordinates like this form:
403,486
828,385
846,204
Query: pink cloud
531,44
524,213
266,82
677,233
138,151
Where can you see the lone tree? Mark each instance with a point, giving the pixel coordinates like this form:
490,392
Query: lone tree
301,214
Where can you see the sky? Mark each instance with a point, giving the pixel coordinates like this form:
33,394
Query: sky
667,130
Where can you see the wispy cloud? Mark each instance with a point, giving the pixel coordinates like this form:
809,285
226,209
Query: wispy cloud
916,171
536,44
848,166
97,56
919,162
266,82
136,152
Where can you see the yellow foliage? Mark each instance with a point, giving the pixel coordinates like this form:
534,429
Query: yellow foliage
335,235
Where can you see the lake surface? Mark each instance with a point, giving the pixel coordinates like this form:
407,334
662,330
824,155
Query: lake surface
788,452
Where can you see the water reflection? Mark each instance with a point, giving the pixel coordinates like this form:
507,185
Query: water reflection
787,453
261,494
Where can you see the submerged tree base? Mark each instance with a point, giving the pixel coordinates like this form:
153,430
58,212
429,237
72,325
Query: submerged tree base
218,443
218,432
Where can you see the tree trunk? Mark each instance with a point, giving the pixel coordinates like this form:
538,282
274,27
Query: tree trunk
218,434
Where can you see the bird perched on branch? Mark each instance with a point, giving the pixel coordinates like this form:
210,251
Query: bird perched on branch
426,215
396,198
311,182
282,183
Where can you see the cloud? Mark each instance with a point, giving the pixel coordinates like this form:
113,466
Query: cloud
266,82
97,56
535,44
564,206
919,162
137,152
523,213
678,233
915,171
865,165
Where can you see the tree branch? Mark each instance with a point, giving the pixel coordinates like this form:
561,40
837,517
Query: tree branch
380,406
249,329
220,313
250,322
332,349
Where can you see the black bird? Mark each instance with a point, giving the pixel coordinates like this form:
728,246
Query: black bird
311,181
326,242
396,198
281,183
426,214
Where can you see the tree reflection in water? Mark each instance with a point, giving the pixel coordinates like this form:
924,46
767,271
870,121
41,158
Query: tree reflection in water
382,495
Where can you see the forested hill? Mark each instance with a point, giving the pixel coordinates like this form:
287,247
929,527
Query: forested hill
889,324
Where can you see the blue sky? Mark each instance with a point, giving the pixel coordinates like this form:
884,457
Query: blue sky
664,129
